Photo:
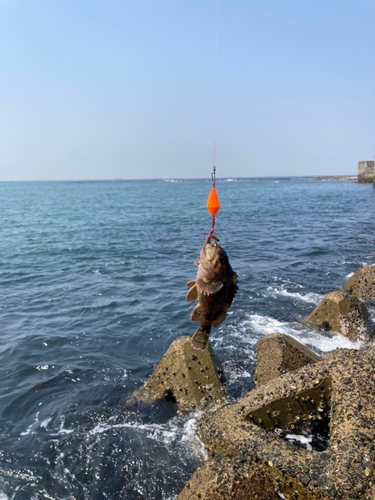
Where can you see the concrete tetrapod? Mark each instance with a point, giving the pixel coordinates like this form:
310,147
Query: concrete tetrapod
342,313
341,387
278,353
185,376
362,283
230,478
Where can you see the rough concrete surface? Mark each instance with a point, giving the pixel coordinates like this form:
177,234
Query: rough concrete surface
279,353
233,478
337,392
185,376
366,171
342,313
362,283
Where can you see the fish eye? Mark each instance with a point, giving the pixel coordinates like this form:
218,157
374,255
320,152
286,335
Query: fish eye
224,258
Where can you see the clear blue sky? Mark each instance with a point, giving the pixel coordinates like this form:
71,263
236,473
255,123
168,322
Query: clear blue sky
125,89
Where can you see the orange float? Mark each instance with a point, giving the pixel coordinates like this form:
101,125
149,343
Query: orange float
213,204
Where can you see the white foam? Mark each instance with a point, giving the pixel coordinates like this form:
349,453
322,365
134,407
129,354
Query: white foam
155,431
29,429
45,423
265,325
240,332
234,373
327,344
3,496
14,494
310,297
26,432
60,460
189,429
62,430
349,275
172,432
306,440
190,435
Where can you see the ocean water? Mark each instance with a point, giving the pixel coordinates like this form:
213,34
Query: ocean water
92,292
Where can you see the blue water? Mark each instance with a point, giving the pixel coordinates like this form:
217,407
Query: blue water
92,292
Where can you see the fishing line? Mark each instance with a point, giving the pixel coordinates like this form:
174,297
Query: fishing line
213,204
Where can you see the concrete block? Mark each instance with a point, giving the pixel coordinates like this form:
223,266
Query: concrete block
184,376
362,283
277,354
342,313
338,394
365,171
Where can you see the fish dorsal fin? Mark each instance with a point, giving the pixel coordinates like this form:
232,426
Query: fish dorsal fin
192,293
190,283
197,262
209,287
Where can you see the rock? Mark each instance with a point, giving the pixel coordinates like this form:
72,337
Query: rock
342,313
362,283
233,478
370,351
337,393
185,376
277,354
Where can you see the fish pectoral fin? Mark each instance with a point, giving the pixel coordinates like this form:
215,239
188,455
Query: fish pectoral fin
220,319
190,283
192,293
209,287
197,262
196,314
235,278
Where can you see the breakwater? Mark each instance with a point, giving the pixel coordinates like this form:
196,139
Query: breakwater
307,430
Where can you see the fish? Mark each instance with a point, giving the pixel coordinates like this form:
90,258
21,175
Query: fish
214,288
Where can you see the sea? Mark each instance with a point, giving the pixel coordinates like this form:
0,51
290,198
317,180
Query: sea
92,293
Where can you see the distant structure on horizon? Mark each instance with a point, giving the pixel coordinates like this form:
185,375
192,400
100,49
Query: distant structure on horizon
366,171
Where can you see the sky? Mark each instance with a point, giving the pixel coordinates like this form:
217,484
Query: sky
94,89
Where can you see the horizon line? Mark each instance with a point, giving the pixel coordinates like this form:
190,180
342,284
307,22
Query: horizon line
122,179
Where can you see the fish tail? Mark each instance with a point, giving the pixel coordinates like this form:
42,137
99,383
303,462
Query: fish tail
200,337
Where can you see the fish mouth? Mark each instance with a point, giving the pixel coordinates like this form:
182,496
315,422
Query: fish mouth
211,248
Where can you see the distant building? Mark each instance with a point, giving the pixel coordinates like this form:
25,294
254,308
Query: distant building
366,171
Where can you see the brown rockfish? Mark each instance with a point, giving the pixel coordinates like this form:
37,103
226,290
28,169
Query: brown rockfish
215,288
